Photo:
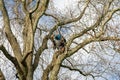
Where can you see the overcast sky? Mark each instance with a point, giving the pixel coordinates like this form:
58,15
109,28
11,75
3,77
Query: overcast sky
62,4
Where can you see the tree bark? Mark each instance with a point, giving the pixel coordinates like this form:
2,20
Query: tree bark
1,75
23,61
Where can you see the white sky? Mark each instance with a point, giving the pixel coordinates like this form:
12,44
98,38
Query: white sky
62,4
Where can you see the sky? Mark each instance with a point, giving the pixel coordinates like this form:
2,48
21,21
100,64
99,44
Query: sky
61,6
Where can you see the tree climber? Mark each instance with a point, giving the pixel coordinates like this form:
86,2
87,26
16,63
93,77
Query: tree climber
59,41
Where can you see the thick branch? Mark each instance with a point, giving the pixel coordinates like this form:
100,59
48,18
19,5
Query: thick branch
50,66
5,52
28,38
56,65
25,56
46,72
13,42
11,38
38,12
12,59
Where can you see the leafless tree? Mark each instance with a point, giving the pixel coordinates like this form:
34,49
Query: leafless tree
91,28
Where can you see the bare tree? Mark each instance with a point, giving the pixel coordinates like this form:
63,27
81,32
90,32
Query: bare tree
88,28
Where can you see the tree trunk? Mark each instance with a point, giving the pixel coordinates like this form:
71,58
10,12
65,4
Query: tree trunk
29,76
28,47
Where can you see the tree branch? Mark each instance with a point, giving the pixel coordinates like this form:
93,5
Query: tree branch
24,6
42,48
5,52
107,6
50,66
101,19
25,56
39,52
11,38
12,59
74,69
28,2
1,75
38,12
78,18
46,14
36,7
87,41
90,40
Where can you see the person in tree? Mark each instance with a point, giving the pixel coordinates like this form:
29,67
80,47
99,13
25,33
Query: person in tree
59,41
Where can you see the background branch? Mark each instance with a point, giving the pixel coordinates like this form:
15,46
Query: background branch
90,40
74,69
